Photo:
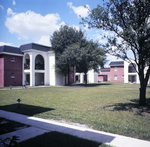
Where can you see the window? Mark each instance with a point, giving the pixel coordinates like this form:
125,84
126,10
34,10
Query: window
115,68
12,59
123,76
115,77
12,75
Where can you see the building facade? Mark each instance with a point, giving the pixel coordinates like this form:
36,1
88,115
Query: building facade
31,64
120,71
92,77
105,75
10,66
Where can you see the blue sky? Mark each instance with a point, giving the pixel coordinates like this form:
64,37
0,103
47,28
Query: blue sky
26,21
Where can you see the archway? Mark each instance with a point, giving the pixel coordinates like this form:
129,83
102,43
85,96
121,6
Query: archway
131,68
39,62
27,62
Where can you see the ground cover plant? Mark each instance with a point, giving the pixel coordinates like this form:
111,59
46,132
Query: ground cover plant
111,107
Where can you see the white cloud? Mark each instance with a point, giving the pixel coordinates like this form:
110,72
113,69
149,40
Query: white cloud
14,3
76,27
30,25
44,40
4,43
80,11
1,7
10,12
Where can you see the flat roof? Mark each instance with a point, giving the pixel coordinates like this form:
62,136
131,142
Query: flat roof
105,69
117,63
35,46
10,49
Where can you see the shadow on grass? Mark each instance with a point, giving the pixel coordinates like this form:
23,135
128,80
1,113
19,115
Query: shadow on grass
90,84
132,106
25,109
55,139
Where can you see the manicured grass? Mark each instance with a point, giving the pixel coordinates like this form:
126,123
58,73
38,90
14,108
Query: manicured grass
55,139
111,107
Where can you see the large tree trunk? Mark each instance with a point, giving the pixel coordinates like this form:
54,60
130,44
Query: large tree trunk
143,85
85,78
142,101
68,75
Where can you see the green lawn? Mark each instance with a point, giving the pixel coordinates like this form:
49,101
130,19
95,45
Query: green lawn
111,107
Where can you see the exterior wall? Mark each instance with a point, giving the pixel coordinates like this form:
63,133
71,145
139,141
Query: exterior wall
127,74
100,78
12,67
1,71
92,77
48,74
104,73
119,73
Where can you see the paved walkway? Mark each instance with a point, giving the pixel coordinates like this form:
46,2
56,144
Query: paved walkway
40,126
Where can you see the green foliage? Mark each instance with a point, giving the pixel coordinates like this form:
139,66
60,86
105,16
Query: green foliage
65,36
130,23
74,50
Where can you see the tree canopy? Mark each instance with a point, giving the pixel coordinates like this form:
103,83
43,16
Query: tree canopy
74,50
129,20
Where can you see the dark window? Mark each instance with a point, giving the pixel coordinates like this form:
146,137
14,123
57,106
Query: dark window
12,75
12,59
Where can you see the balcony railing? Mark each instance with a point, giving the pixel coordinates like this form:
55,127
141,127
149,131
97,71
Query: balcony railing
39,66
26,66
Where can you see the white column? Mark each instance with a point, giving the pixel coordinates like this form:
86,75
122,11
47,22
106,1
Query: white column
52,78
46,75
32,69
81,77
91,76
126,64
23,75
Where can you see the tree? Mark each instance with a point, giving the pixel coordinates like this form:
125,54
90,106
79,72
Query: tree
130,22
60,40
91,57
65,36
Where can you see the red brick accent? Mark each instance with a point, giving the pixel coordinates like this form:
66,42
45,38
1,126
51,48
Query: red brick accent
12,67
119,73
71,75
1,71
103,73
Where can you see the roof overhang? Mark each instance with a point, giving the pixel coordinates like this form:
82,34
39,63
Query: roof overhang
7,53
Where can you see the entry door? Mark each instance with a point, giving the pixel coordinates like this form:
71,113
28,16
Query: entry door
105,78
28,79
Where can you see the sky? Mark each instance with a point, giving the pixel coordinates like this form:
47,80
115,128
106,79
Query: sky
26,21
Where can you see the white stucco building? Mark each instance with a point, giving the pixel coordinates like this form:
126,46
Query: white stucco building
39,66
92,77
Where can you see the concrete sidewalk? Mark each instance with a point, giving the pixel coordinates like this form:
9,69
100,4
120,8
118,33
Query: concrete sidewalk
40,126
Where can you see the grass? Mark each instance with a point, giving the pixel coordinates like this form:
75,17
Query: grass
110,107
55,139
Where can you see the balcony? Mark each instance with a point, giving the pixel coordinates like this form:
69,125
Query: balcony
39,66
26,66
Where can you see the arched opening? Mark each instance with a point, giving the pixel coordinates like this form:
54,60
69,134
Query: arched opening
27,62
131,68
39,62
